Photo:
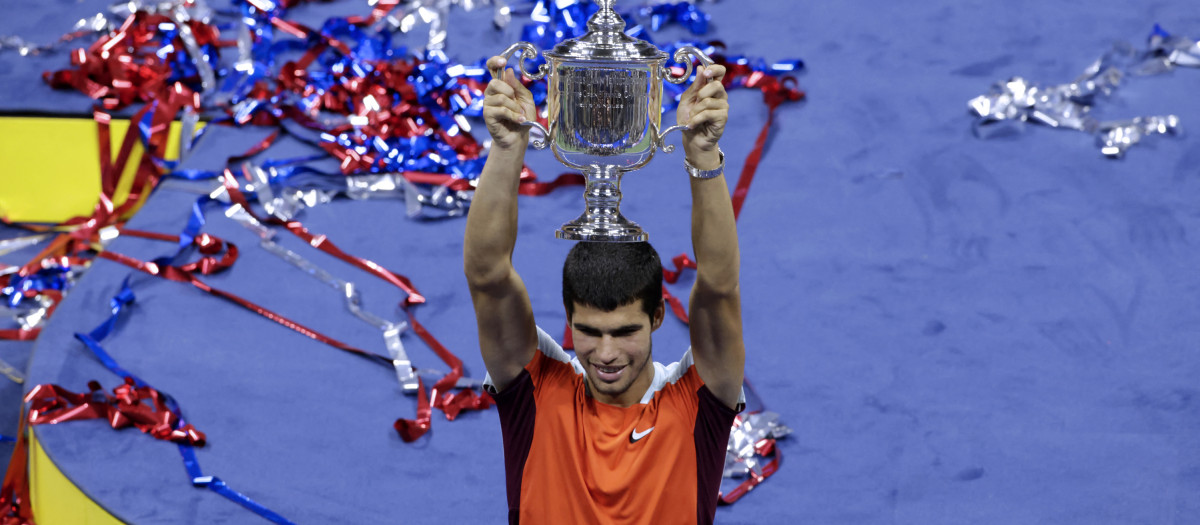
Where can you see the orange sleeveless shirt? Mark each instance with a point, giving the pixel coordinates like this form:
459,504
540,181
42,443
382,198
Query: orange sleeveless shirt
570,459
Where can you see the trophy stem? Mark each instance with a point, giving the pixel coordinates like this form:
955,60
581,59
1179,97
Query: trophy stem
602,221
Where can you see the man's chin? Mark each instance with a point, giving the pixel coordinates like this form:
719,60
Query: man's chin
610,389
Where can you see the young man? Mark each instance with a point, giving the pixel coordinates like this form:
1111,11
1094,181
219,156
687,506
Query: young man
610,436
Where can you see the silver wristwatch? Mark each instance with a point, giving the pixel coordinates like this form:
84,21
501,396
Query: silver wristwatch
706,174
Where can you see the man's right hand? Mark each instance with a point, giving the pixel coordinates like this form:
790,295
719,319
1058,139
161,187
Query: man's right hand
506,106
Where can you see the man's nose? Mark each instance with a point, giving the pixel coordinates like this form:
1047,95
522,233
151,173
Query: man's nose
606,349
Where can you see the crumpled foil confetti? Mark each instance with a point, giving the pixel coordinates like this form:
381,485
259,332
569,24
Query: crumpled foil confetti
1010,104
743,456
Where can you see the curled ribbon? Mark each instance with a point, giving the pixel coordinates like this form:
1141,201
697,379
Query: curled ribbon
129,405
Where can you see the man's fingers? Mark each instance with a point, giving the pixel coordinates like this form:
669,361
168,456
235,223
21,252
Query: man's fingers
521,92
692,88
708,110
508,103
496,65
713,90
529,110
709,103
503,114
699,120
498,86
715,73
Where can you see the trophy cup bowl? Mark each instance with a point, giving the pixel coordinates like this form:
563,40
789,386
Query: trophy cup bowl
604,110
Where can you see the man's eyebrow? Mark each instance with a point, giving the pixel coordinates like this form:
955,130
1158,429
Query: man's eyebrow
625,329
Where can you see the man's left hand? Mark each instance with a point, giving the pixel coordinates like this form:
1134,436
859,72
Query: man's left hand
704,108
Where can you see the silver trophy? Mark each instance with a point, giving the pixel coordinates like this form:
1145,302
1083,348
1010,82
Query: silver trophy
604,104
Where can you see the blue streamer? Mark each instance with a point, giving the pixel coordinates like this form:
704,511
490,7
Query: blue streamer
118,305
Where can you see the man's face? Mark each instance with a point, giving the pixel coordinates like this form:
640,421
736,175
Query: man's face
614,348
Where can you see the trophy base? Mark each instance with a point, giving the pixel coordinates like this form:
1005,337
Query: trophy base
625,231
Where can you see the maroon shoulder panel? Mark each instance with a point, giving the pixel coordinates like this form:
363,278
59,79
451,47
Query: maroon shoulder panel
713,423
517,412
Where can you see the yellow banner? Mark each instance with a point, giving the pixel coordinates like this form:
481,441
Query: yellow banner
50,167
57,501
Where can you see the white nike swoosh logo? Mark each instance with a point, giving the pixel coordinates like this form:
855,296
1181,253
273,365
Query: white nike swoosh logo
635,436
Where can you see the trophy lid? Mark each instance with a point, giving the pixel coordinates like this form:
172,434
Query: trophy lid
606,41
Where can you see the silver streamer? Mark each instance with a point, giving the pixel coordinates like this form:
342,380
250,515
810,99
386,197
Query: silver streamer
188,122
23,47
432,201
1116,137
360,187
1010,104
741,456
428,201
391,331
11,372
182,15
8,246
282,207
197,10
32,317
95,24
289,205
424,201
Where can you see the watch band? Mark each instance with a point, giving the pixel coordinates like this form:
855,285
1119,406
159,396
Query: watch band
706,174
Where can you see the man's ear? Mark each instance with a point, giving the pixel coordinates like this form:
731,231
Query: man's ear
659,313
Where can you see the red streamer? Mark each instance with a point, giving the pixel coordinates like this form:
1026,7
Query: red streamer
211,264
129,405
122,68
440,397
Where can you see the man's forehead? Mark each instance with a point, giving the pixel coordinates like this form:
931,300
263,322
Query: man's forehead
627,314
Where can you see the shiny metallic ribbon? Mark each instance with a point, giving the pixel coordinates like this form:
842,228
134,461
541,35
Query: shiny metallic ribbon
749,431
752,455
11,372
95,24
440,395
422,200
8,246
391,331
286,208
1012,103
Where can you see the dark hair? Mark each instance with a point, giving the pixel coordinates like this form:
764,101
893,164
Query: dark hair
608,275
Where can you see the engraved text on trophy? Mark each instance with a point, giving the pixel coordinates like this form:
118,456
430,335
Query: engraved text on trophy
604,111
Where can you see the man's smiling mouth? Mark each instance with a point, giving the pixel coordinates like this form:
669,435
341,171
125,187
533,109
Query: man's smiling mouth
608,374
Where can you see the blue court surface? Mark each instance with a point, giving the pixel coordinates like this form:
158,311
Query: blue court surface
958,330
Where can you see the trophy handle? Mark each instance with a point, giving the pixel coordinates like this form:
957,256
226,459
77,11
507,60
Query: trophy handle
681,56
534,140
662,137
528,52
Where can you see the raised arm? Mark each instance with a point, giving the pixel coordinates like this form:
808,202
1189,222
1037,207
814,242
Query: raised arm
507,334
716,307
